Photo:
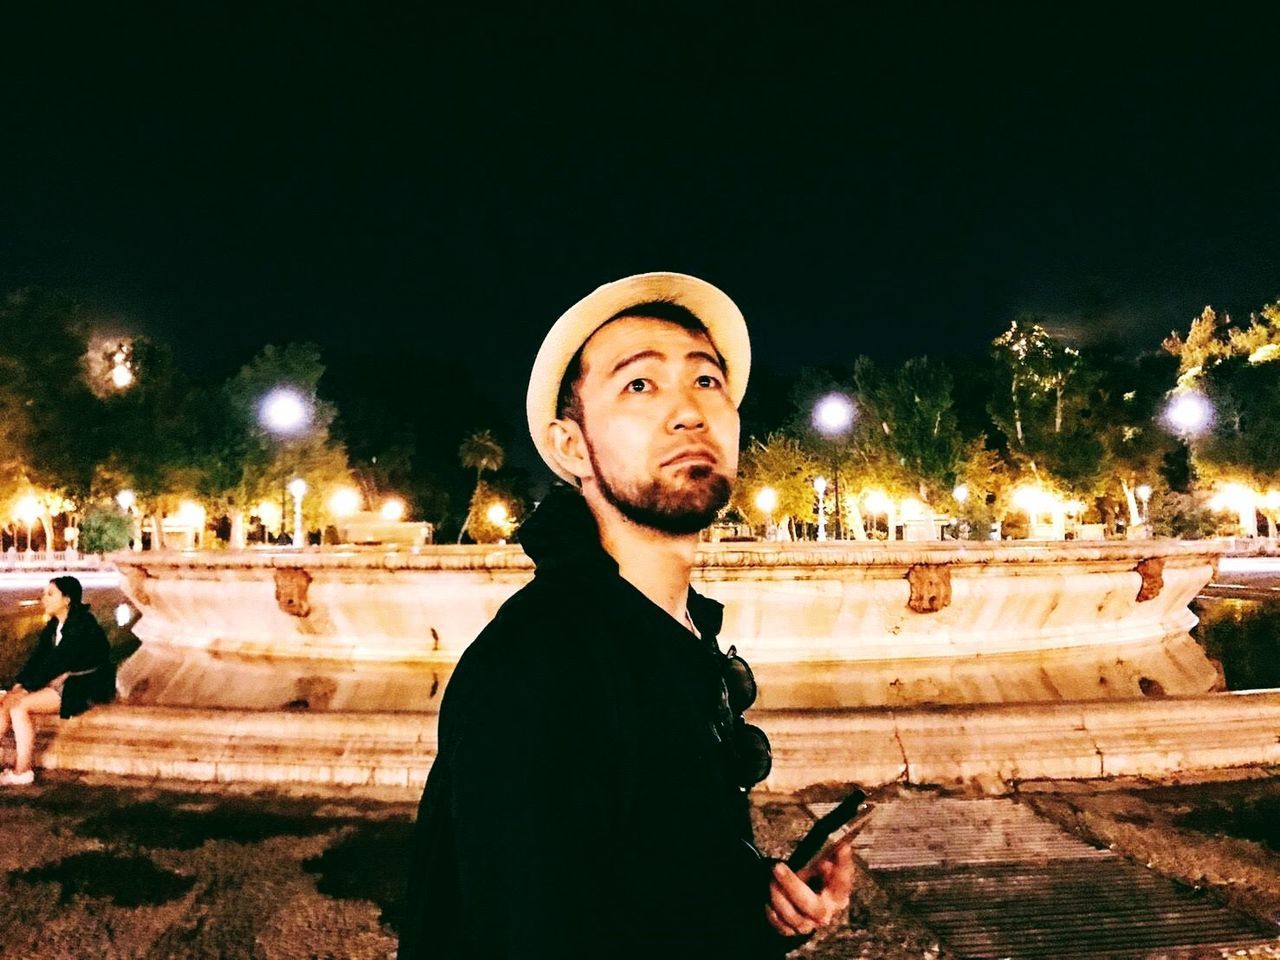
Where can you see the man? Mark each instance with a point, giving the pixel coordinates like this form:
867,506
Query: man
589,794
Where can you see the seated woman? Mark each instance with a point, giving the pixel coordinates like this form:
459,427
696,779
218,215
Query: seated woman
68,672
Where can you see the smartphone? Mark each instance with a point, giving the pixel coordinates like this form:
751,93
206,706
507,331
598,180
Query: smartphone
833,829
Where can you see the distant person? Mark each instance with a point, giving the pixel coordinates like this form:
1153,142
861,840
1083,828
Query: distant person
68,672
589,793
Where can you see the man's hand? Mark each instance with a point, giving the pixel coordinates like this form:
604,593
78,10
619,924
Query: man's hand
795,909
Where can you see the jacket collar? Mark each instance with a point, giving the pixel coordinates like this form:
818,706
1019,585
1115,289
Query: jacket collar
561,535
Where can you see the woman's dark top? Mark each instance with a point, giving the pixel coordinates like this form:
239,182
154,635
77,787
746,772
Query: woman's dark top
84,647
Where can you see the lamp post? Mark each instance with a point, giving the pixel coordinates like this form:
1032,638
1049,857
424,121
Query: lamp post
820,485
128,500
26,511
285,412
1144,494
297,487
766,503
832,417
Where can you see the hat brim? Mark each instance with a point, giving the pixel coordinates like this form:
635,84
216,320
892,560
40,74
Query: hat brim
720,315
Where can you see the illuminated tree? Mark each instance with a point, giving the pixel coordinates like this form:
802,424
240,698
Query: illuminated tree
783,464
479,452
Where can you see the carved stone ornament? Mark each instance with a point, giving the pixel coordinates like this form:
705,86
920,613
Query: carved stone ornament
1152,572
291,592
137,577
930,587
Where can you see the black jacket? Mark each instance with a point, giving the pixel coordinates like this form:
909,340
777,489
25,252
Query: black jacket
578,805
84,647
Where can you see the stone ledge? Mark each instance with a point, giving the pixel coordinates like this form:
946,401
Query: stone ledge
1004,743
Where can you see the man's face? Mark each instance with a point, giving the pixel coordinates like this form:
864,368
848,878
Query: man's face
660,429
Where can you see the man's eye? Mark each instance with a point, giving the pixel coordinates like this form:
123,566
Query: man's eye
710,382
638,385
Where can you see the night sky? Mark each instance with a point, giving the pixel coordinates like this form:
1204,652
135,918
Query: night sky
441,185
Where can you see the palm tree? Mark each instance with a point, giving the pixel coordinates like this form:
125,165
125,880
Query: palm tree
479,452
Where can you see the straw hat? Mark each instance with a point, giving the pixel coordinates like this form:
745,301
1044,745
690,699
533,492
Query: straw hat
719,314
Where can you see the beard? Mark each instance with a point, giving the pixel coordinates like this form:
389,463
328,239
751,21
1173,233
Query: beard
675,508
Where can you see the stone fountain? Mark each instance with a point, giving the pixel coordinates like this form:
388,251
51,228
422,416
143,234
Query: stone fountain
933,661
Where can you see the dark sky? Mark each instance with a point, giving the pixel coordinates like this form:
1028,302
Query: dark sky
446,183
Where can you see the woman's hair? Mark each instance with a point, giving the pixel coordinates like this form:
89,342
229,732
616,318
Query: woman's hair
70,588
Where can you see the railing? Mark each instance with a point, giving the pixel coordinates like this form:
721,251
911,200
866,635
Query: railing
50,560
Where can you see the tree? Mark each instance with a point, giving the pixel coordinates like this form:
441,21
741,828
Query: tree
50,421
1043,409
244,462
479,452
782,464
913,408
1238,371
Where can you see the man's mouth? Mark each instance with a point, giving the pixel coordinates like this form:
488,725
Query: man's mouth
690,457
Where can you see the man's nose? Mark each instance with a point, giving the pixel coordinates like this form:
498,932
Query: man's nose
687,414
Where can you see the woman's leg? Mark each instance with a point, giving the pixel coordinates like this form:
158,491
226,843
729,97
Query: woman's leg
24,734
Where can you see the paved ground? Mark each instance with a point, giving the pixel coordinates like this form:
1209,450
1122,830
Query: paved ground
106,868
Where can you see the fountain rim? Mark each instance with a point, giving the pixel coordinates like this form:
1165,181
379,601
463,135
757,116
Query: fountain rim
712,555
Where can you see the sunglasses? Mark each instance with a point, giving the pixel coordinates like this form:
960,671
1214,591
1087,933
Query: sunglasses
750,755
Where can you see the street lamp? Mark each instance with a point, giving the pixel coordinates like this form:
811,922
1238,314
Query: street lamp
1189,413
497,514
25,511
1144,494
766,503
393,510
284,411
820,485
960,493
128,500
832,417
343,502
297,487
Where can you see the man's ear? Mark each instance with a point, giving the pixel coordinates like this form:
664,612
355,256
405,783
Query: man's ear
569,447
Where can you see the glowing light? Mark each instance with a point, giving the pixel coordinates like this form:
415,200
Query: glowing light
297,487
1144,492
26,509
960,492
191,514
1235,497
911,509
1033,499
393,509
124,614
269,513
820,485
1074,507
344,502
1189,413
1271,500
497,514
767,500
877,501
284,411
833,414
121,376
126,499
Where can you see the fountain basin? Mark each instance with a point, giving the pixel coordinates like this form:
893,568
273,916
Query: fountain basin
826,626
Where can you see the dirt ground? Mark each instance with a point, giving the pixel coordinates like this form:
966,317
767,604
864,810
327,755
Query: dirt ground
116,869
109,868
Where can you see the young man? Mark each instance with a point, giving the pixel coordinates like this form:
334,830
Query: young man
589,796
